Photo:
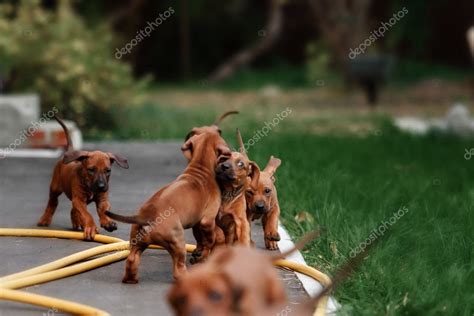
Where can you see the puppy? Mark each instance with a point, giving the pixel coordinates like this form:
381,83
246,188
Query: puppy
193,199
213,128
84,177
234,281
234,174
263,203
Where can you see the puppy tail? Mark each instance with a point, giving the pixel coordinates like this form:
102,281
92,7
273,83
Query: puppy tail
134,219
223,116
299,245
66,131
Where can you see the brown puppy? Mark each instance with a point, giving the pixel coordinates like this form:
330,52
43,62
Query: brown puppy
234,174
263,203
193,199
214,128
84,177
234,281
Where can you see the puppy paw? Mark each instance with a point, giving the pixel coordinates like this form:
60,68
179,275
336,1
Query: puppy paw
89,232
129,280
271,245
44,222
271,240
109,226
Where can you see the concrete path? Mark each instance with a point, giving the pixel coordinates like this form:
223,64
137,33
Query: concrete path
23,196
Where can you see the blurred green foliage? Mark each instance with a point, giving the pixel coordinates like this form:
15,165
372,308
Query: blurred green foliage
72,67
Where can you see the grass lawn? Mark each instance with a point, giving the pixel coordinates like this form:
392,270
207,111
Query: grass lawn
349,183
424,264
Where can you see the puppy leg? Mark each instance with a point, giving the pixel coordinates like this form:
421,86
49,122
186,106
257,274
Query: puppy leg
47,217
270,228
133,261
197,253
242,230
76,220
207,227
103,204
177,249
86,219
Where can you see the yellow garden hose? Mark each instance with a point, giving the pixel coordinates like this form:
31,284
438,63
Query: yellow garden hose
61,268
49,302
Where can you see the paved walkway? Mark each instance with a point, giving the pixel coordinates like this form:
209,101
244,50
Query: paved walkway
23,196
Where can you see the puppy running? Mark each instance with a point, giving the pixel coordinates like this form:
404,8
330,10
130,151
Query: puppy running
193,199
234,281
84,177
262,202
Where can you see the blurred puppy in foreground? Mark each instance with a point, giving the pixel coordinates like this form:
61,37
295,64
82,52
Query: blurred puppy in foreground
233,281
262,202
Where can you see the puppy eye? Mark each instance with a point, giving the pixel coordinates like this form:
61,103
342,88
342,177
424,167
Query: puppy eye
240,164
108,170
249,192
267,190
90,170
214,296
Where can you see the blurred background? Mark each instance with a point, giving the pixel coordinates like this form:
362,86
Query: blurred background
102,63
366,102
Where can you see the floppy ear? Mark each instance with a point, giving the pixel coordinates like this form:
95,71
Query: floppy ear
272,165
254,175
223,150
187,148
121,161
75,155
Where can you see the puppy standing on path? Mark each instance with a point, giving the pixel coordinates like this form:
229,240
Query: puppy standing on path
263,203
84,177
194,198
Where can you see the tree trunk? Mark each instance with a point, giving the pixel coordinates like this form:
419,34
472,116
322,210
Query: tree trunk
269,36
343,25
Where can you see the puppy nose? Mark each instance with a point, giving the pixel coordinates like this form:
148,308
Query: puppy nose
260,205
101,185
197,312
225,165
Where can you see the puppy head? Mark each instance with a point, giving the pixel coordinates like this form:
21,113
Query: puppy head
211,145
96,167
233,171
203,291
260,199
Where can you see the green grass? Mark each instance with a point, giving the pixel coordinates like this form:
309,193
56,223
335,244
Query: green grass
424,264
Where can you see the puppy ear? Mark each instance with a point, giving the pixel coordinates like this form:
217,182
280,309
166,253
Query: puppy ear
75,155
272,166
190,134
121,161
187,148
254,175
223,150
